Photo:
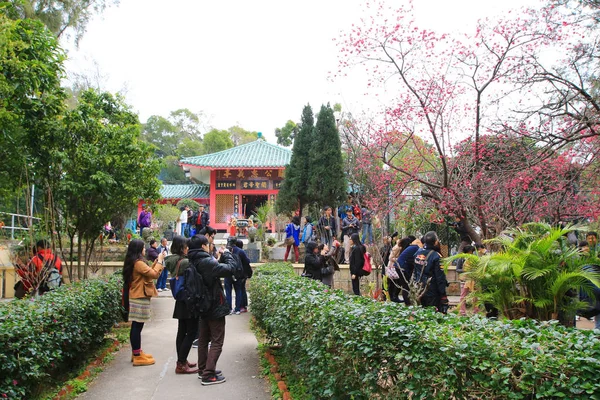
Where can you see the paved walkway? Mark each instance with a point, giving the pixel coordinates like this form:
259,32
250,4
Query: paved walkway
239,363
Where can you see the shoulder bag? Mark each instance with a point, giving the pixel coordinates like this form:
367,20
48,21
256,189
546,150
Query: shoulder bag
176,282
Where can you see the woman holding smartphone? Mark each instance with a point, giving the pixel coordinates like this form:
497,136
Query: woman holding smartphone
139,279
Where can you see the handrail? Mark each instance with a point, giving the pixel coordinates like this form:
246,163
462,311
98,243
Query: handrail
13,227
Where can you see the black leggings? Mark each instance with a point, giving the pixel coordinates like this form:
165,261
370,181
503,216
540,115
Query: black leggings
135,335
187,331
394,288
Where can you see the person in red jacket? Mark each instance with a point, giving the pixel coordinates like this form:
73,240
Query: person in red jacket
32,275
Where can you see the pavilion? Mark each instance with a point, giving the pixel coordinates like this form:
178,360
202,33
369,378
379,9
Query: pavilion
233,182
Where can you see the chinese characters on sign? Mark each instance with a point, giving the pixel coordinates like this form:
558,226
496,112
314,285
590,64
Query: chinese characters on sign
255,184
236,205
250,179
226,185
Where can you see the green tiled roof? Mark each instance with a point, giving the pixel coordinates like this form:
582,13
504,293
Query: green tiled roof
257,154
192,191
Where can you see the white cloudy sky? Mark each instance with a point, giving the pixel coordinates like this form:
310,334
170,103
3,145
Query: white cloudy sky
252,63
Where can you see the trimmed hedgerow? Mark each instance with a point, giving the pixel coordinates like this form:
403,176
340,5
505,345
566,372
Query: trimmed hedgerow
352,347
41,337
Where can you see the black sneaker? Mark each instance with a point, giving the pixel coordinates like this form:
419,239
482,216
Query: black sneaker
195,344
213,380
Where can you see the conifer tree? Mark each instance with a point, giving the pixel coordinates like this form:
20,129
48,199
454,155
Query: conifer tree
327,183
293,193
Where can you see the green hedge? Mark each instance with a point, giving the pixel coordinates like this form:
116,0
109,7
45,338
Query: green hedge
40,338
353,347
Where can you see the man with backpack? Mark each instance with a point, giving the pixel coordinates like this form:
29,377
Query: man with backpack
429,273
48,265
212,322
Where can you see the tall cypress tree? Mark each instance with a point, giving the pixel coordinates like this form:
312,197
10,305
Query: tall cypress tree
293,194
327,182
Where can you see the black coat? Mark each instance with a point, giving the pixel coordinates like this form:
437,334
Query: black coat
357,260
152,253
212,271
425,268
181,310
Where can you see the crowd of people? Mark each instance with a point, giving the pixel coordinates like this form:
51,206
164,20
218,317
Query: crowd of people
205,330
405,261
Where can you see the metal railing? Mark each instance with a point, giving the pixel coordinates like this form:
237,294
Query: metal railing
12,226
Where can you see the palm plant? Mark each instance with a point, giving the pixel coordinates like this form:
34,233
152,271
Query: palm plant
536,274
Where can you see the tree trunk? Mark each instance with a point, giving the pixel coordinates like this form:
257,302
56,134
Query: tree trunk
469,228
79,249
71,245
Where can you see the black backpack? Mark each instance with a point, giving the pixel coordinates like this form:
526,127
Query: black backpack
238,272
195,293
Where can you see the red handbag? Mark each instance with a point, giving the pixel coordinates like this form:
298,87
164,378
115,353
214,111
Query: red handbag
367,268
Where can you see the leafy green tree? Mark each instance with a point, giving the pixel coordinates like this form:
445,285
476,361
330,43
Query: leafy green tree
32,100
190,148
173,134
241,136
217,140
160,132
105,168
327,183
285,136
293,193
61,15
171,172
187,123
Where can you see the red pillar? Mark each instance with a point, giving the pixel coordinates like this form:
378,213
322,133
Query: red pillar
213,197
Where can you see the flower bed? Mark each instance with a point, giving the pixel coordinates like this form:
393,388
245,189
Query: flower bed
348,346
40,338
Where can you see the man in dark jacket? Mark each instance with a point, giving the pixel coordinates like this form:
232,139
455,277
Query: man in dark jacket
429,272
247,270
350,226
313,262
327,227
201,219
212,324
406,261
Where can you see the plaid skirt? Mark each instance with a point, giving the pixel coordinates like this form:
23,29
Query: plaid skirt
139,310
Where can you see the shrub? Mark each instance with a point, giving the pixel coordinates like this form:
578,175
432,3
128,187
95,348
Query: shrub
533,273
41,337
194,205
352,347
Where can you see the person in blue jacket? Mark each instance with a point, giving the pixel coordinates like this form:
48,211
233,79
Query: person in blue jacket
307,231
292,238
406,261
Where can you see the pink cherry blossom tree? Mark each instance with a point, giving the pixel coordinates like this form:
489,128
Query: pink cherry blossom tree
451,97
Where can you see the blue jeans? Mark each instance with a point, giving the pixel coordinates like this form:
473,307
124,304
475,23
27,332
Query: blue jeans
183,228
367,229
239,297
161,282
